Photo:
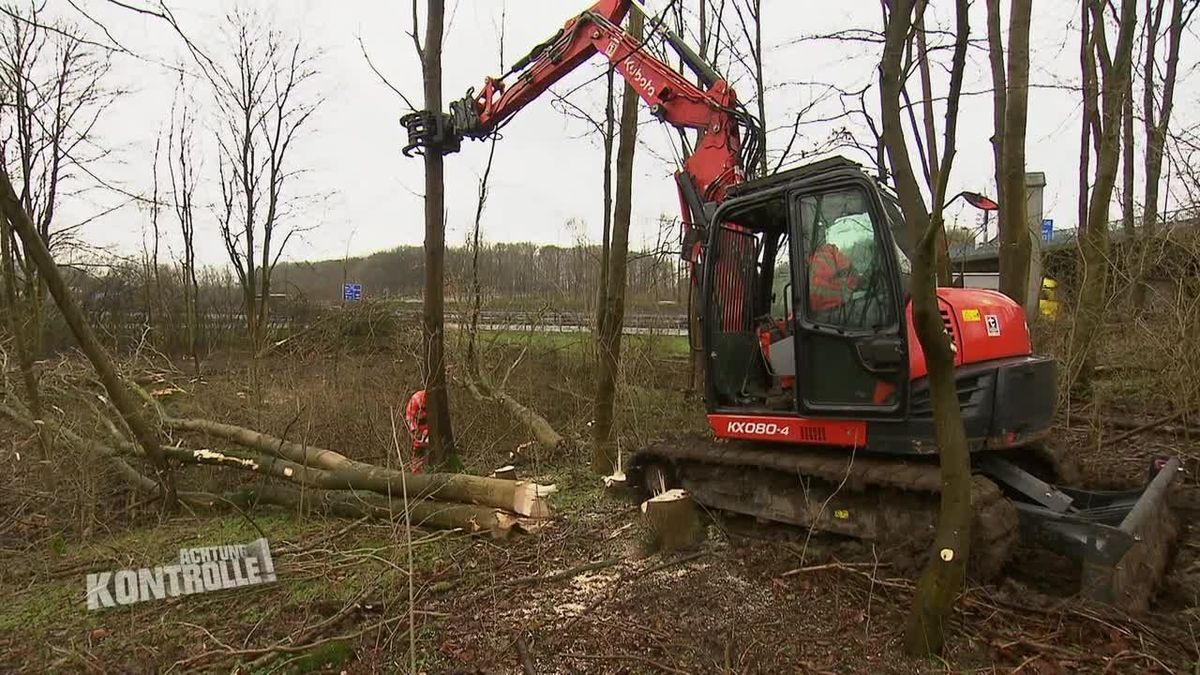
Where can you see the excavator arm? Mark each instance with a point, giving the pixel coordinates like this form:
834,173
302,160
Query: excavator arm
719,157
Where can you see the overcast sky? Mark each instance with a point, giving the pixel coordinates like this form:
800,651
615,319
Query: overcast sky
547,172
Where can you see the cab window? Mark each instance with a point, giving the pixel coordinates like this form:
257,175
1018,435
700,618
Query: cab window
847,280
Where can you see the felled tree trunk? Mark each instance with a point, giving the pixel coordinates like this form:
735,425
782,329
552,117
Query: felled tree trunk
672,521
520,497
326,498
422,513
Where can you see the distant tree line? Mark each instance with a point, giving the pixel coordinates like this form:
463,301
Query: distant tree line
506,270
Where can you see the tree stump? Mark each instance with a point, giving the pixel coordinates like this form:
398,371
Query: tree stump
672,521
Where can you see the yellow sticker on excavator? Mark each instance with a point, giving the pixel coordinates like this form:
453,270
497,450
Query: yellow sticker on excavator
841,514
970,315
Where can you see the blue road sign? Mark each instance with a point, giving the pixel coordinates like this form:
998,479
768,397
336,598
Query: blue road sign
1048,229
352,292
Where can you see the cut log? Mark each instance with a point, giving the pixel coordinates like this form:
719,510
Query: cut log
506,472
672,520
427,514
523,498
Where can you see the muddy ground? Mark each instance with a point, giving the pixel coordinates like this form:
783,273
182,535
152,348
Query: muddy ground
754,599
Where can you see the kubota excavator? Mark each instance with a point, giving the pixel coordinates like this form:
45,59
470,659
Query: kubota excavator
814,380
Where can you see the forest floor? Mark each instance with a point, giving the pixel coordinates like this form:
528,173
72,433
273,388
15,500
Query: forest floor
578,596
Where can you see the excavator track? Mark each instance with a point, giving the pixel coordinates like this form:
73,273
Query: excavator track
891,502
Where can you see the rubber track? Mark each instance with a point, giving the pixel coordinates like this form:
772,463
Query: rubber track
994,530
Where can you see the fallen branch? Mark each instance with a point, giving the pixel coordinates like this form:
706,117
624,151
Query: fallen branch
523,653
543,433
1145,427
829,566
628,657
282,649
1160,425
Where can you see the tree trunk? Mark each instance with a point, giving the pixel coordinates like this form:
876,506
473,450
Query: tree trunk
431,515
11,305
117,390
1094,244
329,498
760,84
943,577
476,289
1015,247
1156,134
606,233
1127,172
999,99
604,455
442,451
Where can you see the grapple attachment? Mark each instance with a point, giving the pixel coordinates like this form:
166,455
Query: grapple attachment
1123,538
430,132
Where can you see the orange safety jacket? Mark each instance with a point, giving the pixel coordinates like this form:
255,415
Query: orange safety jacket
830,279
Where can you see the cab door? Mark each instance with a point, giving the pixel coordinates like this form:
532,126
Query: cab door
851,351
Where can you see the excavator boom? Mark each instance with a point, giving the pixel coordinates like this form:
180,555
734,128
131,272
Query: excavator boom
729,137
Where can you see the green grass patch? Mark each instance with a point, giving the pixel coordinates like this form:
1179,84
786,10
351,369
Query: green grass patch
50,604
578,491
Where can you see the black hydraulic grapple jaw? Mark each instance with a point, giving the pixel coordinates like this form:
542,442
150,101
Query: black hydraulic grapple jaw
430,132
443,132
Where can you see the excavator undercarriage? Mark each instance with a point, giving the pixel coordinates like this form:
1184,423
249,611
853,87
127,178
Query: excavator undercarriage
1121,539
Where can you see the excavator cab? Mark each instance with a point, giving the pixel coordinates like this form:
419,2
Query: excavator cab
804,295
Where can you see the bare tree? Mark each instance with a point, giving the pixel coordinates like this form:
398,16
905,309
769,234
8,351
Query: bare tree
442,449
1156,113
608,134
476,288
750,23
608,339
13,310
183,171
264,103
1011,108
946,570
51,96
1115,71
115,387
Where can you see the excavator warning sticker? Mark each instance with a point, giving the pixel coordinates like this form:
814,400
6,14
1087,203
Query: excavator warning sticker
970,315
993,325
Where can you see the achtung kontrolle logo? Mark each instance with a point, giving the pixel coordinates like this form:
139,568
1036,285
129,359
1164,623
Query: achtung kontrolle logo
199,570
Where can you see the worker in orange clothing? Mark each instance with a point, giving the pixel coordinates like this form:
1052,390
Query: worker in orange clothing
831,278
416,418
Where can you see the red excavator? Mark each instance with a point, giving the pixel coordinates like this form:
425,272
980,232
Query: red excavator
814,380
